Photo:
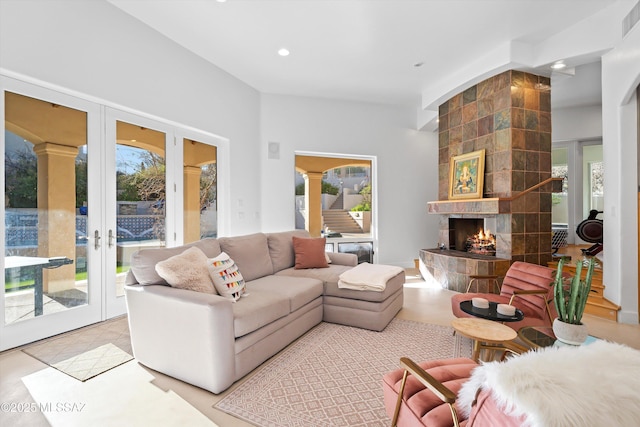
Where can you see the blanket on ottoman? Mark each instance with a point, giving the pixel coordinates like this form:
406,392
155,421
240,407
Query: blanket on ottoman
368,277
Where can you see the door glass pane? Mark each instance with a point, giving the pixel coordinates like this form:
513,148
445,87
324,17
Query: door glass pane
560,201
594,183
45,157
200,191
140,194
560,169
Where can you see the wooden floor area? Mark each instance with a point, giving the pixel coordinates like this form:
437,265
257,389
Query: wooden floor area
597,305
574,251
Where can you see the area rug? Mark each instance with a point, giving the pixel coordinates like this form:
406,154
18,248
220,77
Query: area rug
87,352
332,376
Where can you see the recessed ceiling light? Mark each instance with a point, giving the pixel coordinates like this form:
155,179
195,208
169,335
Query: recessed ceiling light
558,65
283,52
221,1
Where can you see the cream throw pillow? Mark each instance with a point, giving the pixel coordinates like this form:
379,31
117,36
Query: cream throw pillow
187,270
226,278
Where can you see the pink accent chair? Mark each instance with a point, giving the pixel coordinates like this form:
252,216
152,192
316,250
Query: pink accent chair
424,394
527,287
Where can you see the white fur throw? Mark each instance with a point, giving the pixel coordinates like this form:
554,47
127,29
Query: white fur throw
591,385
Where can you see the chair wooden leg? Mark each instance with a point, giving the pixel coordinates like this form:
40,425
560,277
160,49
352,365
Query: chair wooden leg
476,350
394,422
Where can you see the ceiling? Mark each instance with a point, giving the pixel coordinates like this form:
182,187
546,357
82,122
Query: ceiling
406,52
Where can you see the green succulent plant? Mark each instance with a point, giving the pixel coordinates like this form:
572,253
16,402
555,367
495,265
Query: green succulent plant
570,295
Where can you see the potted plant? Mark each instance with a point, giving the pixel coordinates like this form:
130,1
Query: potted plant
570,299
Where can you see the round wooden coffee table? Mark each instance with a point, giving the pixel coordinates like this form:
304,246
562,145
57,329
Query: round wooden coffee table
484,333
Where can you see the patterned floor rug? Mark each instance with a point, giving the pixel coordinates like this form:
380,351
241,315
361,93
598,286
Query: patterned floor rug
332,376
87,352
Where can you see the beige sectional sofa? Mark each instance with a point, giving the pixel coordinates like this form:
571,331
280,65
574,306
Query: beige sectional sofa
211,342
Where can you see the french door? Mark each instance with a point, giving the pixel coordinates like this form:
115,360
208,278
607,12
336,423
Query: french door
136,214
84,186
52,210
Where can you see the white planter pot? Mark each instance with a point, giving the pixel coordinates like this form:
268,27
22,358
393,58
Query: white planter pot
570,334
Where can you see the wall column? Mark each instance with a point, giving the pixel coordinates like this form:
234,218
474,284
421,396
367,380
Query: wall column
191,203
57,212
313,201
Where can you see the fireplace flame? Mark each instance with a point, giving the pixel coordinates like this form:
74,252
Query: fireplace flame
482,243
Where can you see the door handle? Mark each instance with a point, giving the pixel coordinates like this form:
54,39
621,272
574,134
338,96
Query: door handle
110,238
96,237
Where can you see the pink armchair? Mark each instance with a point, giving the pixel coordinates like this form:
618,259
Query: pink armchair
424,394
527,287
588,385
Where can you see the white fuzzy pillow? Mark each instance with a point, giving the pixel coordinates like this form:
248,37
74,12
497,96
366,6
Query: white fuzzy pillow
226,278
187,270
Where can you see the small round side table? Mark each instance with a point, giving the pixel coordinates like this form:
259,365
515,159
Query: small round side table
484,333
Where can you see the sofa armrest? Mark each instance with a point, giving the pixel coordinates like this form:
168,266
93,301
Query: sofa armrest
185,334
340,258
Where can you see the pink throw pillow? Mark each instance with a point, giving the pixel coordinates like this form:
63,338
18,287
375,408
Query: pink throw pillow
310,252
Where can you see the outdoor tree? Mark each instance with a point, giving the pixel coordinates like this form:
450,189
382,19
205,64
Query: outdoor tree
82,190
21,179
150,179
208,185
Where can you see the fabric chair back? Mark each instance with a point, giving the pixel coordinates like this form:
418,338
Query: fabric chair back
523,276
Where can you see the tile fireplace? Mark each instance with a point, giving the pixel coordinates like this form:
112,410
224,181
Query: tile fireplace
509,116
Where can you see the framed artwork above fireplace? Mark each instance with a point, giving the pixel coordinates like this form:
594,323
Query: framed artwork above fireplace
466,175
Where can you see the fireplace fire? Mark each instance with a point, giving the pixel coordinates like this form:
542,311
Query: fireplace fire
472,235
483,243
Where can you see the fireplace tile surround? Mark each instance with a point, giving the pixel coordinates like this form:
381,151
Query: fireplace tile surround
509,116
451,269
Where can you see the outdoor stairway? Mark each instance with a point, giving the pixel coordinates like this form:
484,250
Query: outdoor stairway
339,221
338,203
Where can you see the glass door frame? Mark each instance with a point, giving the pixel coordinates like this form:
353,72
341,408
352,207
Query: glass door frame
576,178
115,305
103,302
40,327
175,134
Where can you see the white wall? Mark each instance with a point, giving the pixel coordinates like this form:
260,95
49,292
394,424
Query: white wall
407,162
576,124
620,78
96,49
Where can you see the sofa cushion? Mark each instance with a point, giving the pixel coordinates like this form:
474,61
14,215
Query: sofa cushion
330,274
299,290
187,270
330,278
143,262
281,248
262,307
250,253
226,277
310,252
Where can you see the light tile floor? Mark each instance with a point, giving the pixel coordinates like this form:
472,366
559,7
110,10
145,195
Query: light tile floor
134,395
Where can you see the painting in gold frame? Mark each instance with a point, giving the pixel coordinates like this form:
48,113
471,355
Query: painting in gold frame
466,175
